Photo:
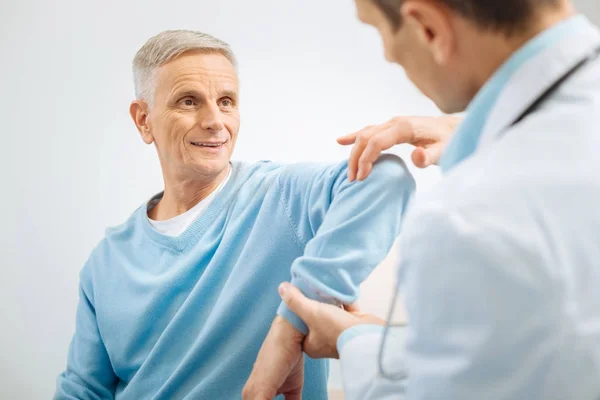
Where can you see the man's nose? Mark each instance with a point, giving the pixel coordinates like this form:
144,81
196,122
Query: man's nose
210,118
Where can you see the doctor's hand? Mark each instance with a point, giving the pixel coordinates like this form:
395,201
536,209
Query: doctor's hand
325,322
429,134
279,367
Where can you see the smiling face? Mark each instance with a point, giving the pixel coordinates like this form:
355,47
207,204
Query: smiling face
194,120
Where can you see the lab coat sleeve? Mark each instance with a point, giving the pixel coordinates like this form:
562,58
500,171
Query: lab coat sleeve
358,348
482,323
347,228
89,373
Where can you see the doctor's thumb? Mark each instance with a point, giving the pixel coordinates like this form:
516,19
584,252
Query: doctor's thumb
424,157
295,300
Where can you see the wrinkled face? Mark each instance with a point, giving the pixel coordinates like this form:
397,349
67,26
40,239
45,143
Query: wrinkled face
423,46
194,121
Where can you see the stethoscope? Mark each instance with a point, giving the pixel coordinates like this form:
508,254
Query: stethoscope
389,376
534,105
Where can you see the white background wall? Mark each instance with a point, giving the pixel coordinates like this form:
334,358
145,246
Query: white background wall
71,162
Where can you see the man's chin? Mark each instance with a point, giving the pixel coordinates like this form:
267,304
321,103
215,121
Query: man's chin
211,167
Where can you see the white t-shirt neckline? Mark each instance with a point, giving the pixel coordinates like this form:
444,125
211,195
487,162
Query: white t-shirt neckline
177,225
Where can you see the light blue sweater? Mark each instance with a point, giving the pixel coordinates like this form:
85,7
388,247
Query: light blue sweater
172,318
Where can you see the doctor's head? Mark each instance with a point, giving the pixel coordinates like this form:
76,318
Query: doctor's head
449,48
186,88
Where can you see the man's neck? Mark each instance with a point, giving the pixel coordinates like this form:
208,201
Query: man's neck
181,195
491,52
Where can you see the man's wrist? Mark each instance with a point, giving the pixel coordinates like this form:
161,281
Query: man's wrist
286,329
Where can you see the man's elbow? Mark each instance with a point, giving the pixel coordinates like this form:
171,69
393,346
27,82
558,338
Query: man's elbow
391,173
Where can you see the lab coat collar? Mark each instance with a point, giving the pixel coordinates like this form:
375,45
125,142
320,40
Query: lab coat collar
536,76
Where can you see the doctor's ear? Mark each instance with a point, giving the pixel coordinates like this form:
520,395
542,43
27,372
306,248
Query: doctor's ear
139,111
431,24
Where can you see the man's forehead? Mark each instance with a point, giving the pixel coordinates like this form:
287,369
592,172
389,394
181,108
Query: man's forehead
208,69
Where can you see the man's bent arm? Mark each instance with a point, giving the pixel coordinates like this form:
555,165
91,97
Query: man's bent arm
353,226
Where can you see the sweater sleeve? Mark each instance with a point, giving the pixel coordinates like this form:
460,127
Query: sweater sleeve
347,227
89,373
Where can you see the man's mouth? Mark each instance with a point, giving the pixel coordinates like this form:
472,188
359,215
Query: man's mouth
208,144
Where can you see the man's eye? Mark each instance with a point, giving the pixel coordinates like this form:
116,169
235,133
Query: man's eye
227,103
188,102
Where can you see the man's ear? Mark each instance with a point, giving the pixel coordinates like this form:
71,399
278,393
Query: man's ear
139,113
431,23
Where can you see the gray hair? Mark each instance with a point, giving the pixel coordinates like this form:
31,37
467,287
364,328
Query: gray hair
165,47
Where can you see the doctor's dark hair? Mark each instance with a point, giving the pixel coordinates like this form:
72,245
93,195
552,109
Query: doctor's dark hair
508,16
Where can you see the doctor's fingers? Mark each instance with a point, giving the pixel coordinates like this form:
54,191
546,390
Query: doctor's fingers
375,145
348,139
374,139
360,140
428,155
428,152
407,126
360,143
304,307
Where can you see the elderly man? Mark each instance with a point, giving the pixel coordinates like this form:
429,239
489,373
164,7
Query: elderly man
176,302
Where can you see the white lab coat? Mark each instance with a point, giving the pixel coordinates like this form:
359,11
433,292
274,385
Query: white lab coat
500,263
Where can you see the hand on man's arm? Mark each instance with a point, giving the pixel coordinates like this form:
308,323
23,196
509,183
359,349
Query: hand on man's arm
279,367
429,135
325,322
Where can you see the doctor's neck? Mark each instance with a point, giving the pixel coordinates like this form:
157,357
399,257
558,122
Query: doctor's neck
489,50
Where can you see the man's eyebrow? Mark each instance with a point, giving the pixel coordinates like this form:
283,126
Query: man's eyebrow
187,93
229,93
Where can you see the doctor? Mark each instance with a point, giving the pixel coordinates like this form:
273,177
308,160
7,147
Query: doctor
500,263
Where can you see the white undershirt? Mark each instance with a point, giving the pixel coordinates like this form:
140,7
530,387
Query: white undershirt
177,225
